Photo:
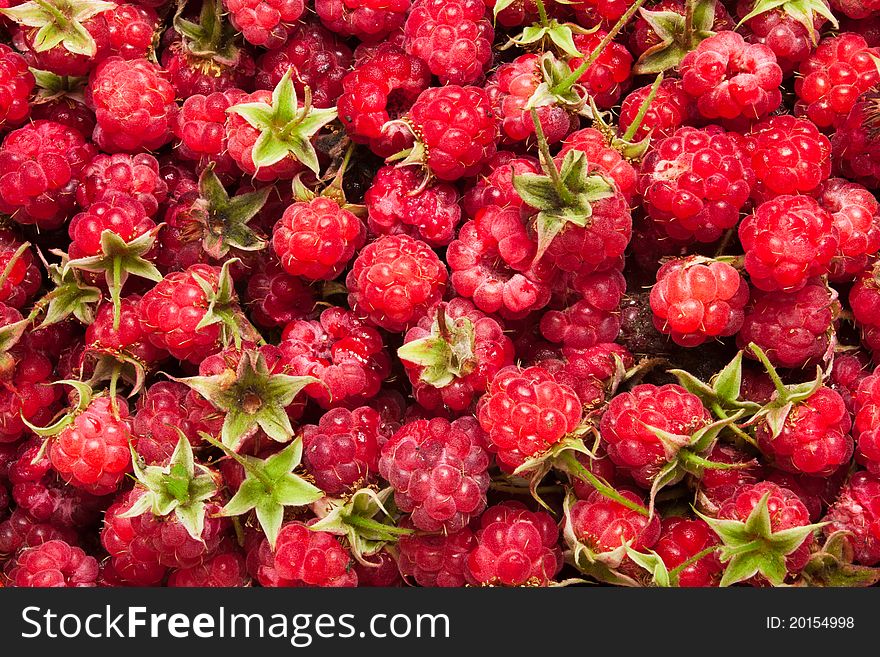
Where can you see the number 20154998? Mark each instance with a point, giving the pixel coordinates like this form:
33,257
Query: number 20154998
810,622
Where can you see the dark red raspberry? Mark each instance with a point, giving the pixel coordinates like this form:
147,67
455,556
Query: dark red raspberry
864,299
515,547
275,298
847,372
610,75
454,38
310,558
40,167
134,105
792,329
855,152
53,564
66,111
788,240
681,540
833,77
593,317
342,451
857,512
697,299
856,216
225,569
604,525
866,428
590,372
20,531
817,493
856,9
16,84
695,182
343,352
368,20
265,23
670,110
134,175
162,409
436,560
526,412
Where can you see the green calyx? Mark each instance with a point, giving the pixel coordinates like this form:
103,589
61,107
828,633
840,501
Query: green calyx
551,90
547,35
70,296
752,547
832,565
633,151
182,487
119,260
60,22
51,86
286,127
446,354
224,219
362,519
211,38
223,308
803,11
269,487
678,34
252,398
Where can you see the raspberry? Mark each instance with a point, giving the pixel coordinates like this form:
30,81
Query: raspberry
368,20
788,240
857,512
134,105
670,110
832,79
626,427
130,29
264,23
436,560
133,560
644,37
604,525
23,279
342,451
28,394
525,412
340,350
41,165
201,129
495,184
452,353
597,12
857,9
21,531
864,299
53,564
162,409
456,127
815,492
856,216
134,175
589,372
515,547
118,213
316,239
126,344
681,540
610,75
398,204
438,472
865,427
225,569
16,84
66,111
788,155
847,372
379,90
606,159
454,38
275,298
790,37
855,152
318,59
310,558
792,329
394,280
593,317
695,300
730,78
695,182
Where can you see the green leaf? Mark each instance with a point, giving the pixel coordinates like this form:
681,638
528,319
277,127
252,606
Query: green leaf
653,564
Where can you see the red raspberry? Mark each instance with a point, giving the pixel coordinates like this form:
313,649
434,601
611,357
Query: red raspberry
264,23
510,88
833,77
864,299
130,30
643,36
134,105
456,127
786,35
788,240
118,213
593,318
515,547
194,71
610,75
342,451
16,85
696,299
436,560
526,412
340,350
380,89
792,329
92,452
855,152
319,60
134,175
28,394
310,558
162,409
816,493
20,531
201,129
789,156
225,569
847,372
316,239
857,512
24,277
454,38
856,216
857,9
681,540
368,20
495,187
394,280
590,13
40,166
492,263
670,110
53,564
627,422
695,182
604,525
126,343
589,373
133,560
866,429
438,472
275,298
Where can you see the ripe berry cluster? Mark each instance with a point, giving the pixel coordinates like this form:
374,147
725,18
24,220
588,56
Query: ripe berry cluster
439,292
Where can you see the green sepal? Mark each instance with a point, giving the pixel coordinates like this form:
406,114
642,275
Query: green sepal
252,398
182,487
553,72
84,397
653,564
800,10
566,462
211,38
223,308
70,296
362,518
555,35
269,487
723,390
446,354
535,468
675,38
51,86
832,565
59,22
118,365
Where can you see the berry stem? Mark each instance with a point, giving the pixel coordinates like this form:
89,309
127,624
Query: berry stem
768,366
542,13
369,524
690,561
700,462
722,415
643,109
577,469
549,165
519,490
7,270
689,22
